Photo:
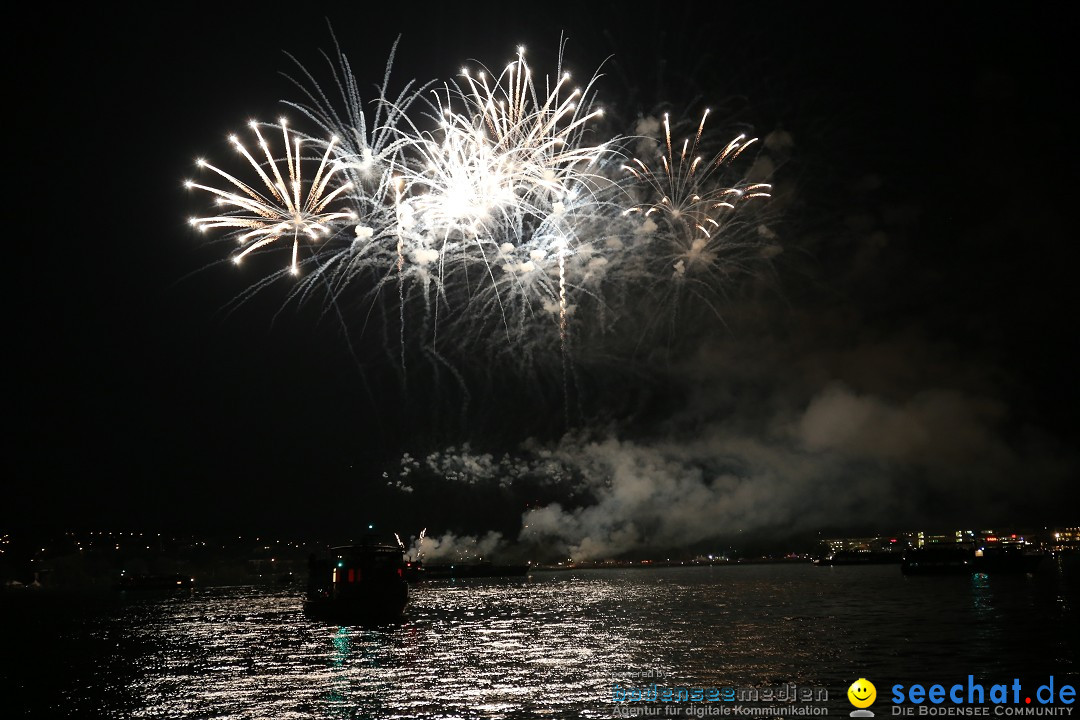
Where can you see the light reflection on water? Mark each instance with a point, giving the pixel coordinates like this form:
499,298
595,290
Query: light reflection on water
549,646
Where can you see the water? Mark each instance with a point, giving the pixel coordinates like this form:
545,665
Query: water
549,646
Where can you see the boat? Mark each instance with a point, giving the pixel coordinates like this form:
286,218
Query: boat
1006,559
155,583
357,584
937,561
960,560
414,570
859,557
479,569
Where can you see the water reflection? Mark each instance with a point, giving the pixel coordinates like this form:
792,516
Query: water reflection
339,682
980,594
549,647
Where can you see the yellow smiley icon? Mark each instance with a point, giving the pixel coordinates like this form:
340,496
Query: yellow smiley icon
862,693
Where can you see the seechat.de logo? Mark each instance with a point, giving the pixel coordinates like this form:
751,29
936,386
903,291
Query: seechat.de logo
862,694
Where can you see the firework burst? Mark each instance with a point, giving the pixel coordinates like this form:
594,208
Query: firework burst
501,188
505,158
489,210
285,210
690,205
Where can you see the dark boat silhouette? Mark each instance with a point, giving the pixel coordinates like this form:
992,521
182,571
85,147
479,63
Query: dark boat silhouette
960,560
478,569
155,583
938,561
1006,559
860,557
357,584
414,570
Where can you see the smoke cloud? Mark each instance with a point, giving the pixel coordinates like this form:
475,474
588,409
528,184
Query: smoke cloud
781,460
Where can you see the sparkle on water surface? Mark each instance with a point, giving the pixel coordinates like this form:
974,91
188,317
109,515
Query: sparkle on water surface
549,646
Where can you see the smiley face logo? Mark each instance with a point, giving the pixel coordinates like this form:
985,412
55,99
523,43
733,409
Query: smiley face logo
862,693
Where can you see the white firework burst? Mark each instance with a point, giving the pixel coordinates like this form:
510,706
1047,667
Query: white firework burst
285,209
490,212
502,188
690,201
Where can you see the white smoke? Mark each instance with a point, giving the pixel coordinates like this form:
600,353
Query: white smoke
843,457
456,548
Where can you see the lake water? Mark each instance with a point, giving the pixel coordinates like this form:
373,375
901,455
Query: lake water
552,645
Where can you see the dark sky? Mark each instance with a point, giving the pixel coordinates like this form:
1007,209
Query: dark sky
927,264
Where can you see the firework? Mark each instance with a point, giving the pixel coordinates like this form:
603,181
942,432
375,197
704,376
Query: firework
285,210
488,210
368,154
504,156
689,200
500,190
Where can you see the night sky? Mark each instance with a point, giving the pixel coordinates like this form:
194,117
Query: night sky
904,359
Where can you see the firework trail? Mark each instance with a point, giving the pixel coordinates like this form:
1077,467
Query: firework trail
506,223
261,219
690,206
495,196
